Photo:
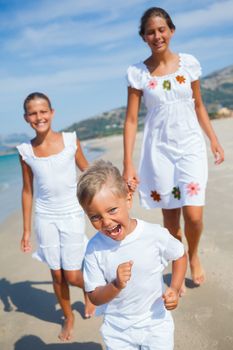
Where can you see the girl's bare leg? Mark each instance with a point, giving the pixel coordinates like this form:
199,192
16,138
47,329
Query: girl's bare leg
75,278
193,228
61,290
171,220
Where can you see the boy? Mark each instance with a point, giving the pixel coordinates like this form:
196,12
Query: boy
124,263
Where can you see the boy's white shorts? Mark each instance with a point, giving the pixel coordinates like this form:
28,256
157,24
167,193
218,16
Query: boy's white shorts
61,240
149,335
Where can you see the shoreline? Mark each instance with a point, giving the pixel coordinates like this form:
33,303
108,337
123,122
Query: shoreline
31,318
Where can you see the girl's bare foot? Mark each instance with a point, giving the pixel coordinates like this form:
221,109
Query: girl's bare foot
197,272
182,291
67,329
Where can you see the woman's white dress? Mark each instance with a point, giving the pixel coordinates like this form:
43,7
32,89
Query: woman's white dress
173,167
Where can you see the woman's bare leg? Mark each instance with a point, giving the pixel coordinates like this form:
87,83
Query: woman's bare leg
171,220
193,219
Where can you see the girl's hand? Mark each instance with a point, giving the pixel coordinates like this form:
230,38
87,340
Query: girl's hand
123,274
171,298
218,152
131,178
26,245
132,184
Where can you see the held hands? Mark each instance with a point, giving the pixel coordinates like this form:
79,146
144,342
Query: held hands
171,298
218,152
123,274
131,178
26,245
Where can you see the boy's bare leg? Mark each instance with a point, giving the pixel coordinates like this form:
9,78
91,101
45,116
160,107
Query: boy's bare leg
89,307
61,290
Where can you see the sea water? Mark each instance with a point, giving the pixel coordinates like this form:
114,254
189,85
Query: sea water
10,184
11,181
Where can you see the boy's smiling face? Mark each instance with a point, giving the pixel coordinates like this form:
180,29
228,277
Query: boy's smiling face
109,213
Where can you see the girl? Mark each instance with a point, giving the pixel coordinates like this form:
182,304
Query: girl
49,161
173,166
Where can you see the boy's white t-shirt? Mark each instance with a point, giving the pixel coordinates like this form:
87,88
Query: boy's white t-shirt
150,247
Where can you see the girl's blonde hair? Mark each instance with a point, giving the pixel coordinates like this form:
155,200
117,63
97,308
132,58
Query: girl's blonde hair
100,173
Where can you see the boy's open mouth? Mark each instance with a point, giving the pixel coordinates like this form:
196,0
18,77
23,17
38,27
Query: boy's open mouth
115,230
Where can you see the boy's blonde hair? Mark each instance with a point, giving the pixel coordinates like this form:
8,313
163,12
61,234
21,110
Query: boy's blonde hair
100,173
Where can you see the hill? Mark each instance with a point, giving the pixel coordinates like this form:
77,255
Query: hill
217,91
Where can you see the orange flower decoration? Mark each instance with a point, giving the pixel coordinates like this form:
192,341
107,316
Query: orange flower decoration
156,196
181,79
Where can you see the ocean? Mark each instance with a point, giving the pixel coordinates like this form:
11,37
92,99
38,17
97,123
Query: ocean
11,181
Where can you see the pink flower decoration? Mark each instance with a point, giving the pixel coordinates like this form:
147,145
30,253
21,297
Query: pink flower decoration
152,84
193,188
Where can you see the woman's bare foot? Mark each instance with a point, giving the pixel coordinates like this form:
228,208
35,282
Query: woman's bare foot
67,329
197,272
182,291
89,308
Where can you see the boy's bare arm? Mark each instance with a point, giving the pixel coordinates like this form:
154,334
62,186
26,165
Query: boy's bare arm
179,268
171,295
104,294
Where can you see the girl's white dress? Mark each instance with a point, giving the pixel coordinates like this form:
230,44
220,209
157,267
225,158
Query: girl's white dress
59,219
173,167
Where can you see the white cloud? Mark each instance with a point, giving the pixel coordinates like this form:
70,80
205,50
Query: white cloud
44,11
214,15
68,34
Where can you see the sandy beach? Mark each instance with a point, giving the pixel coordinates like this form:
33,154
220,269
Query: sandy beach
30,316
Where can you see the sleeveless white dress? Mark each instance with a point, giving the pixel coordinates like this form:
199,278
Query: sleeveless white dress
55,178
59,218
173,167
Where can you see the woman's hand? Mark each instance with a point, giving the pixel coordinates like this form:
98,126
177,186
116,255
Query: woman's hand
26,245
218,152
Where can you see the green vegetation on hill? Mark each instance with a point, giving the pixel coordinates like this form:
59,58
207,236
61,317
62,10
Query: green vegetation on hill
220,97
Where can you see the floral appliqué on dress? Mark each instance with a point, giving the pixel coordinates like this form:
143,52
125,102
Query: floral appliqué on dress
152,84
181,79
193,188
167,85
155,195
176,192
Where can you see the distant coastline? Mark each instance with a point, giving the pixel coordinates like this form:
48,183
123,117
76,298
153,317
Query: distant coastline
8,152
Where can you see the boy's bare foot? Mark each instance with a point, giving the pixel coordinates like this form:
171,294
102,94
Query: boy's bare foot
182,291
89,308
197,272
67,329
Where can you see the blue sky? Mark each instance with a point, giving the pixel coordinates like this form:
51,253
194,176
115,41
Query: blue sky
77,51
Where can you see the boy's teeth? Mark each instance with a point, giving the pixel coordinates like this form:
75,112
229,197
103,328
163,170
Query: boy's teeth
114,229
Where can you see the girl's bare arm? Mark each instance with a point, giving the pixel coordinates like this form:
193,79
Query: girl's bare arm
205,123
130,130
27,199
80,159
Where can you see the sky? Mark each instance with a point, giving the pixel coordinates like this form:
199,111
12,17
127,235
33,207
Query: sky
77,51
